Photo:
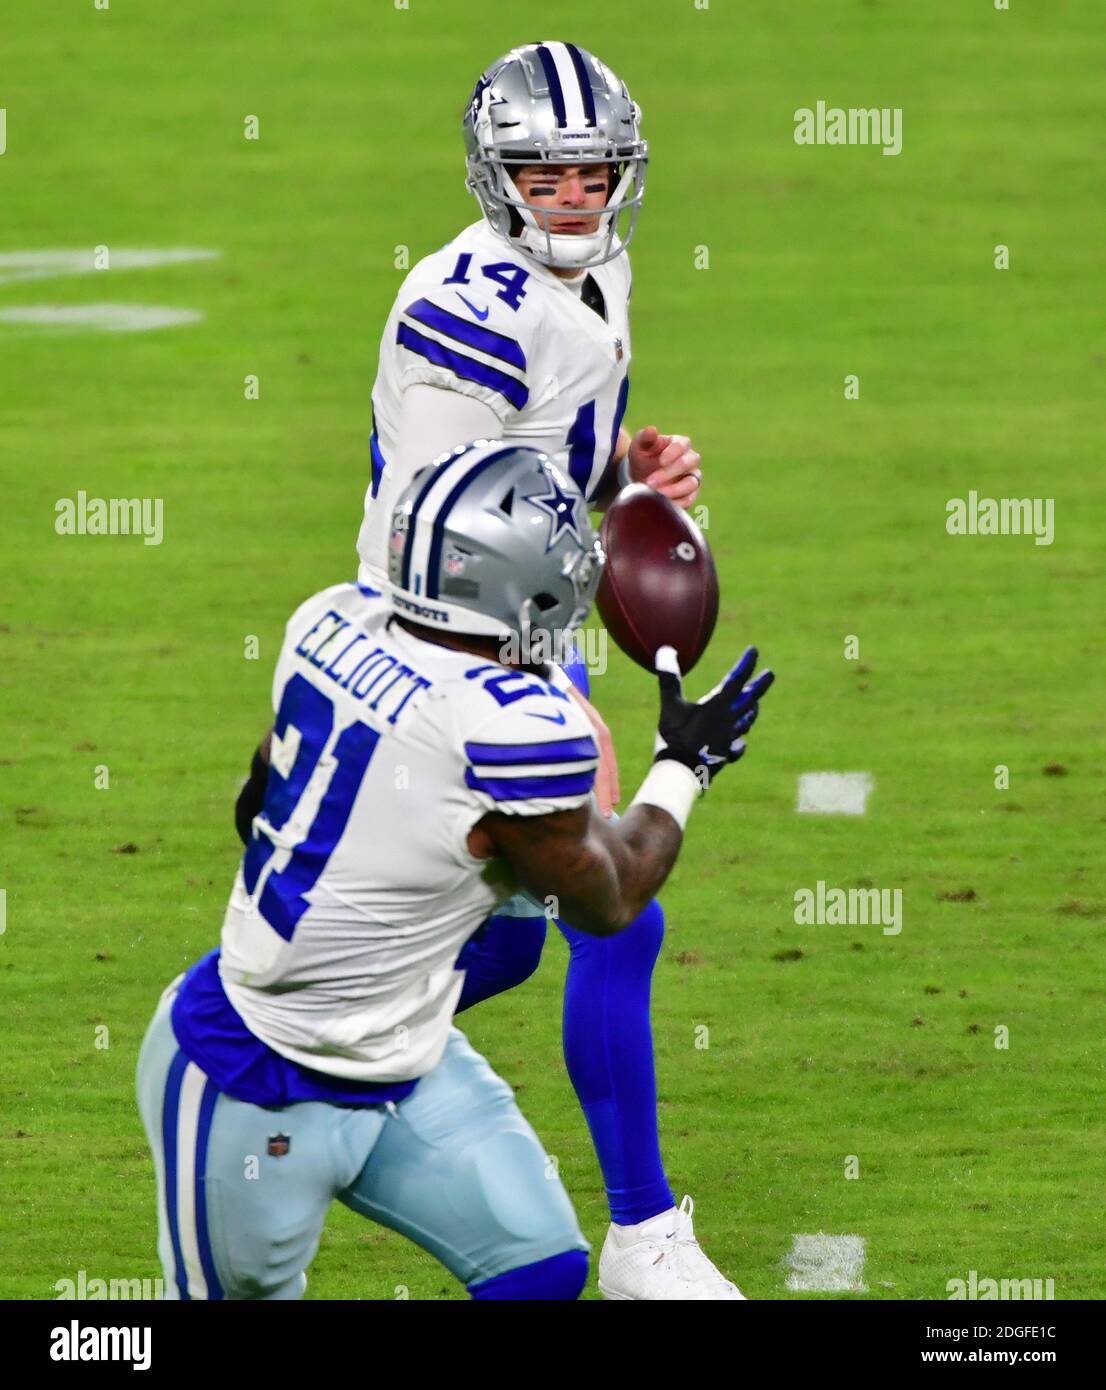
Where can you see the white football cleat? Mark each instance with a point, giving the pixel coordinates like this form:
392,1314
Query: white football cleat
660,1259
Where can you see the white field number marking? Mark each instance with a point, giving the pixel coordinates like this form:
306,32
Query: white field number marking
826,1264
20,266
834,793
48,265
110,318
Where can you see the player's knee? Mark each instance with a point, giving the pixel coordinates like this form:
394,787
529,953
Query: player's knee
261,1250
508,1187
635,947
559,1278
648,929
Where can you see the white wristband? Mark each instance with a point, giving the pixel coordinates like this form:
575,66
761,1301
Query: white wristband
624,476
671,786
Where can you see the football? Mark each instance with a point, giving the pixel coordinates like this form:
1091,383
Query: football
659,587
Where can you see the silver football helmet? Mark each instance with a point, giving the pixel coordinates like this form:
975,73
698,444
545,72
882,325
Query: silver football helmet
554,103
493,540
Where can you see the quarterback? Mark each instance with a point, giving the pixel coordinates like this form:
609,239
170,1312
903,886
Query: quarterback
519,329
411,779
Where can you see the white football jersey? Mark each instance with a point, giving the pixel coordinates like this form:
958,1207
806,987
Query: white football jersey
357,889
480,318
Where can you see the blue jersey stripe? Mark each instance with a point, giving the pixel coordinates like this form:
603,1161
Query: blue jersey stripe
471,334
555,91
203,1236
531,788
581,447
379,463
467,368
575,668
619,413
170,1116
565,750
585,82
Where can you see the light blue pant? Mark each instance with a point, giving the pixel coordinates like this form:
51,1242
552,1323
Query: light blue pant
243,1190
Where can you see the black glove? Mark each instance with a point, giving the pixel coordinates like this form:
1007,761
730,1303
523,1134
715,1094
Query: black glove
707,734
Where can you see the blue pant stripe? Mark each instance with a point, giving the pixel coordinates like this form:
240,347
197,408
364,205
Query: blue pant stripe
203,1239
169,1118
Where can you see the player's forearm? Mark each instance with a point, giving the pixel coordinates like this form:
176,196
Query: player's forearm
644,846
619,871
598,874
610,485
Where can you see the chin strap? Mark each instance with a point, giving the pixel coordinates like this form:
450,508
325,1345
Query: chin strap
569,252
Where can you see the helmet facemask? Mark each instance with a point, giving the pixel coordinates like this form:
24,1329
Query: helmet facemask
533,228
546,630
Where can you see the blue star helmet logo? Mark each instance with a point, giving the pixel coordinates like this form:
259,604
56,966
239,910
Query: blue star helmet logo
561,506
474,100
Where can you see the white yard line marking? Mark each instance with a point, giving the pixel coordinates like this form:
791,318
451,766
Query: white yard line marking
835,793
107,318
826,1264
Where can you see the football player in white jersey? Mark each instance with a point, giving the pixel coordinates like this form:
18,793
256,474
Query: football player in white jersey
411,778
519,328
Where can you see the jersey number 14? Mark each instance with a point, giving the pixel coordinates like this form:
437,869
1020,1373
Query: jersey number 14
511,277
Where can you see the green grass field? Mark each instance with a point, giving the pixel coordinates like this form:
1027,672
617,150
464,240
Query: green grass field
827,517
